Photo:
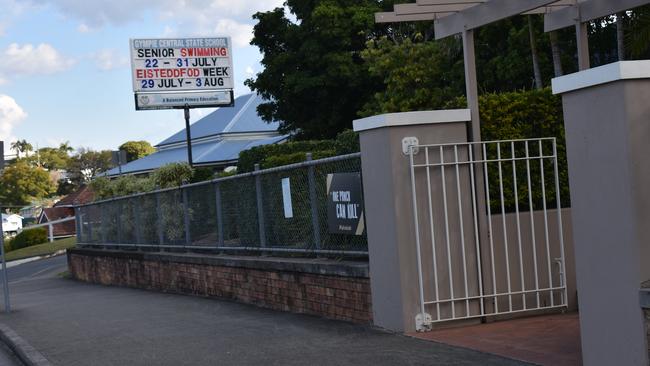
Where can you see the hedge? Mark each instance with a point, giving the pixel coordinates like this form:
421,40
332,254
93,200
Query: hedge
29,237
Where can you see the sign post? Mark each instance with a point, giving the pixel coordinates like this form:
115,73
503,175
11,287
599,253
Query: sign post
182,73
5,280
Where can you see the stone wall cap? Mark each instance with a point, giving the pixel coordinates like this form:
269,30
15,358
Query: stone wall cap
622,70
412,118
303,265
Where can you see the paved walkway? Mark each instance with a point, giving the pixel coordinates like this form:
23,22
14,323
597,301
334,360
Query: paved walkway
74,323
545,339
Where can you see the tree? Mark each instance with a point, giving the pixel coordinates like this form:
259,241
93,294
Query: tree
137,149
51,158
21,183
65,147
86,163
21,146
417,75
314,79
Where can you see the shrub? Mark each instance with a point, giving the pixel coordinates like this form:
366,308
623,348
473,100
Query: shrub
172,175
29,237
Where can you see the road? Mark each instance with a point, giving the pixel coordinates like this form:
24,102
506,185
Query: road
73,323
26,272
38,269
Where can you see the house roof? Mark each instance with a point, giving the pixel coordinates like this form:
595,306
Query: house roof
55,213
79,197
242,117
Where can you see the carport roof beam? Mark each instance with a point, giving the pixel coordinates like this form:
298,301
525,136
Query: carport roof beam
584,11
483,14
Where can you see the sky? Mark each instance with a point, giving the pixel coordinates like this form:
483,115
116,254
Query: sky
65,71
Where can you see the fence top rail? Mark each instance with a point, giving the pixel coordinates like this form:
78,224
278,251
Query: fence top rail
49,223
468,143
303,164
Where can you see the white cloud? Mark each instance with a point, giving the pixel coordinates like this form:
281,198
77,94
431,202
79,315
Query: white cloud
11,114
83,28
32,60
249,71
109,59
184,17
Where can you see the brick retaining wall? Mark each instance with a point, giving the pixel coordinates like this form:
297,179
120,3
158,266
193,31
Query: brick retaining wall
332,289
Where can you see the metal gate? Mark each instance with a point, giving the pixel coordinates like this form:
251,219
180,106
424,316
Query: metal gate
488,229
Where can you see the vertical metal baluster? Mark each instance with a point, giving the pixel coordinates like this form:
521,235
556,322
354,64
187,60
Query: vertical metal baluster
77,220
476,235
546,236
444,201
532,224
417,235
505,233
516,191
563,294
490,232
462,228
433,236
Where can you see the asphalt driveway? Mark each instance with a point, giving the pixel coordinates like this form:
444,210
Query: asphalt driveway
74,323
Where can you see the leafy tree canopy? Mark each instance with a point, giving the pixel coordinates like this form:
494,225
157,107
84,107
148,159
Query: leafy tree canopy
314,78
87,163
137,149
20,183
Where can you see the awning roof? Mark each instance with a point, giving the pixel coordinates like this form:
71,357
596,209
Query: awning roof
455,16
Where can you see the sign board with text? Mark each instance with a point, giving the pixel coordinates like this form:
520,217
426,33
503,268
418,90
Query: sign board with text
181,64
345,204
205,99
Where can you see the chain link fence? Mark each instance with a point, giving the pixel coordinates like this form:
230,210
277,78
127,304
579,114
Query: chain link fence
242,213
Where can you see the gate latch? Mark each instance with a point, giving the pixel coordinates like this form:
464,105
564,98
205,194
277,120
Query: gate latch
407,142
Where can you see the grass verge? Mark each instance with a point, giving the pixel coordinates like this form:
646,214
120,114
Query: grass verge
41,249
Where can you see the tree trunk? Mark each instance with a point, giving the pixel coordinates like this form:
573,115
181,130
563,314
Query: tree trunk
620,37
555,52
533,49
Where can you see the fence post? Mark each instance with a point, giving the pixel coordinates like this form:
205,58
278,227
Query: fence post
102,226
186,216
217,193
260,207
50,232
78,224
118,216
136,220
159,220
313,199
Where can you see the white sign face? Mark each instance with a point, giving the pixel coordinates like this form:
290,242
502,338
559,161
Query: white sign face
178,64
286,198
204,99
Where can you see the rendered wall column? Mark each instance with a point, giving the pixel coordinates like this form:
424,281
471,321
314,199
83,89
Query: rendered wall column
388,206
607,122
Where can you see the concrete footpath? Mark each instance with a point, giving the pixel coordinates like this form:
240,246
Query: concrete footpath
73,323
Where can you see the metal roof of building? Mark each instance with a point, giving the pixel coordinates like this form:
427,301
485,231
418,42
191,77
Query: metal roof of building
242,117
217,139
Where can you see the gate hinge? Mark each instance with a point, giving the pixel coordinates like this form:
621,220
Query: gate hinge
423,322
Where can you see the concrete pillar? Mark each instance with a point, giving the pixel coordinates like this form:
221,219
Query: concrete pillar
607,122
389,208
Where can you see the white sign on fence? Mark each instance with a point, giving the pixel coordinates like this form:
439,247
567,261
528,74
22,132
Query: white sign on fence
286,198
179,64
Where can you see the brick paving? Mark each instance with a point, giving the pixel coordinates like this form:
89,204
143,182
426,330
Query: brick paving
543,340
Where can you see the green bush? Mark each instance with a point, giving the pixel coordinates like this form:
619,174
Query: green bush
7,245
28,238
522,115
172,175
